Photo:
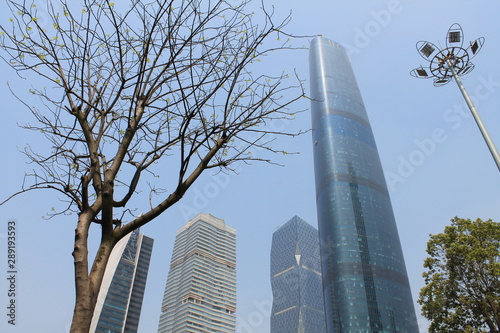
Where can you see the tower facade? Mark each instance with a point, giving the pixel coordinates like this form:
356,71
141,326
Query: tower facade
365,282
200,294
119,301
296,279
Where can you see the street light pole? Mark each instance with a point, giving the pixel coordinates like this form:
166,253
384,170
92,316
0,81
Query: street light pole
475,114
453,62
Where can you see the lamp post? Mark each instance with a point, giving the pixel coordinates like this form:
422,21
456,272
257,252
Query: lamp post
453,62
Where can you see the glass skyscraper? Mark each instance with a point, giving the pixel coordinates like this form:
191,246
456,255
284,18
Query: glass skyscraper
200,294
296,279
365,282
120,299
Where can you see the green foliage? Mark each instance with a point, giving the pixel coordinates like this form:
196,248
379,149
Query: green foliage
462,281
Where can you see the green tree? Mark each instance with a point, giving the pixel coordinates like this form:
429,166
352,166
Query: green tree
137,99
462,281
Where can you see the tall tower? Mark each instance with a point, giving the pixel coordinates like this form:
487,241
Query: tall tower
119,301
200,294
296,279
365,282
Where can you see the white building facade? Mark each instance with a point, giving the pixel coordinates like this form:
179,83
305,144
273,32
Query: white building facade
200,294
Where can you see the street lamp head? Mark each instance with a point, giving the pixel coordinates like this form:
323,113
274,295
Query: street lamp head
453,62
442,61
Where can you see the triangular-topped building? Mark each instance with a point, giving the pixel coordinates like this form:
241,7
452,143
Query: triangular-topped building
296,279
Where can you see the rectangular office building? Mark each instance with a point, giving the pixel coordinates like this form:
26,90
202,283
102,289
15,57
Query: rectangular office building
200,294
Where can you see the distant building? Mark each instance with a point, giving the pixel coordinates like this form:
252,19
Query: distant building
200,294
364,274
296,279
120,299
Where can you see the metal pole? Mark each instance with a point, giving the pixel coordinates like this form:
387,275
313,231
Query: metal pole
475,114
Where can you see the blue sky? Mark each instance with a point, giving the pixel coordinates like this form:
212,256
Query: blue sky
434,157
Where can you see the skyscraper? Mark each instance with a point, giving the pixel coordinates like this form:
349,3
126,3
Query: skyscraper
200,294
296,279
365,282
120,299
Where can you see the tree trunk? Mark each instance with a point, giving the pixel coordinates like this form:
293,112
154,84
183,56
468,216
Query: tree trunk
87,285
83,309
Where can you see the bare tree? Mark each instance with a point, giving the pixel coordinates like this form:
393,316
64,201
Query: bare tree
137,91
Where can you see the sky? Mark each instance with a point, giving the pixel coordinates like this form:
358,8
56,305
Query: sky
436,163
